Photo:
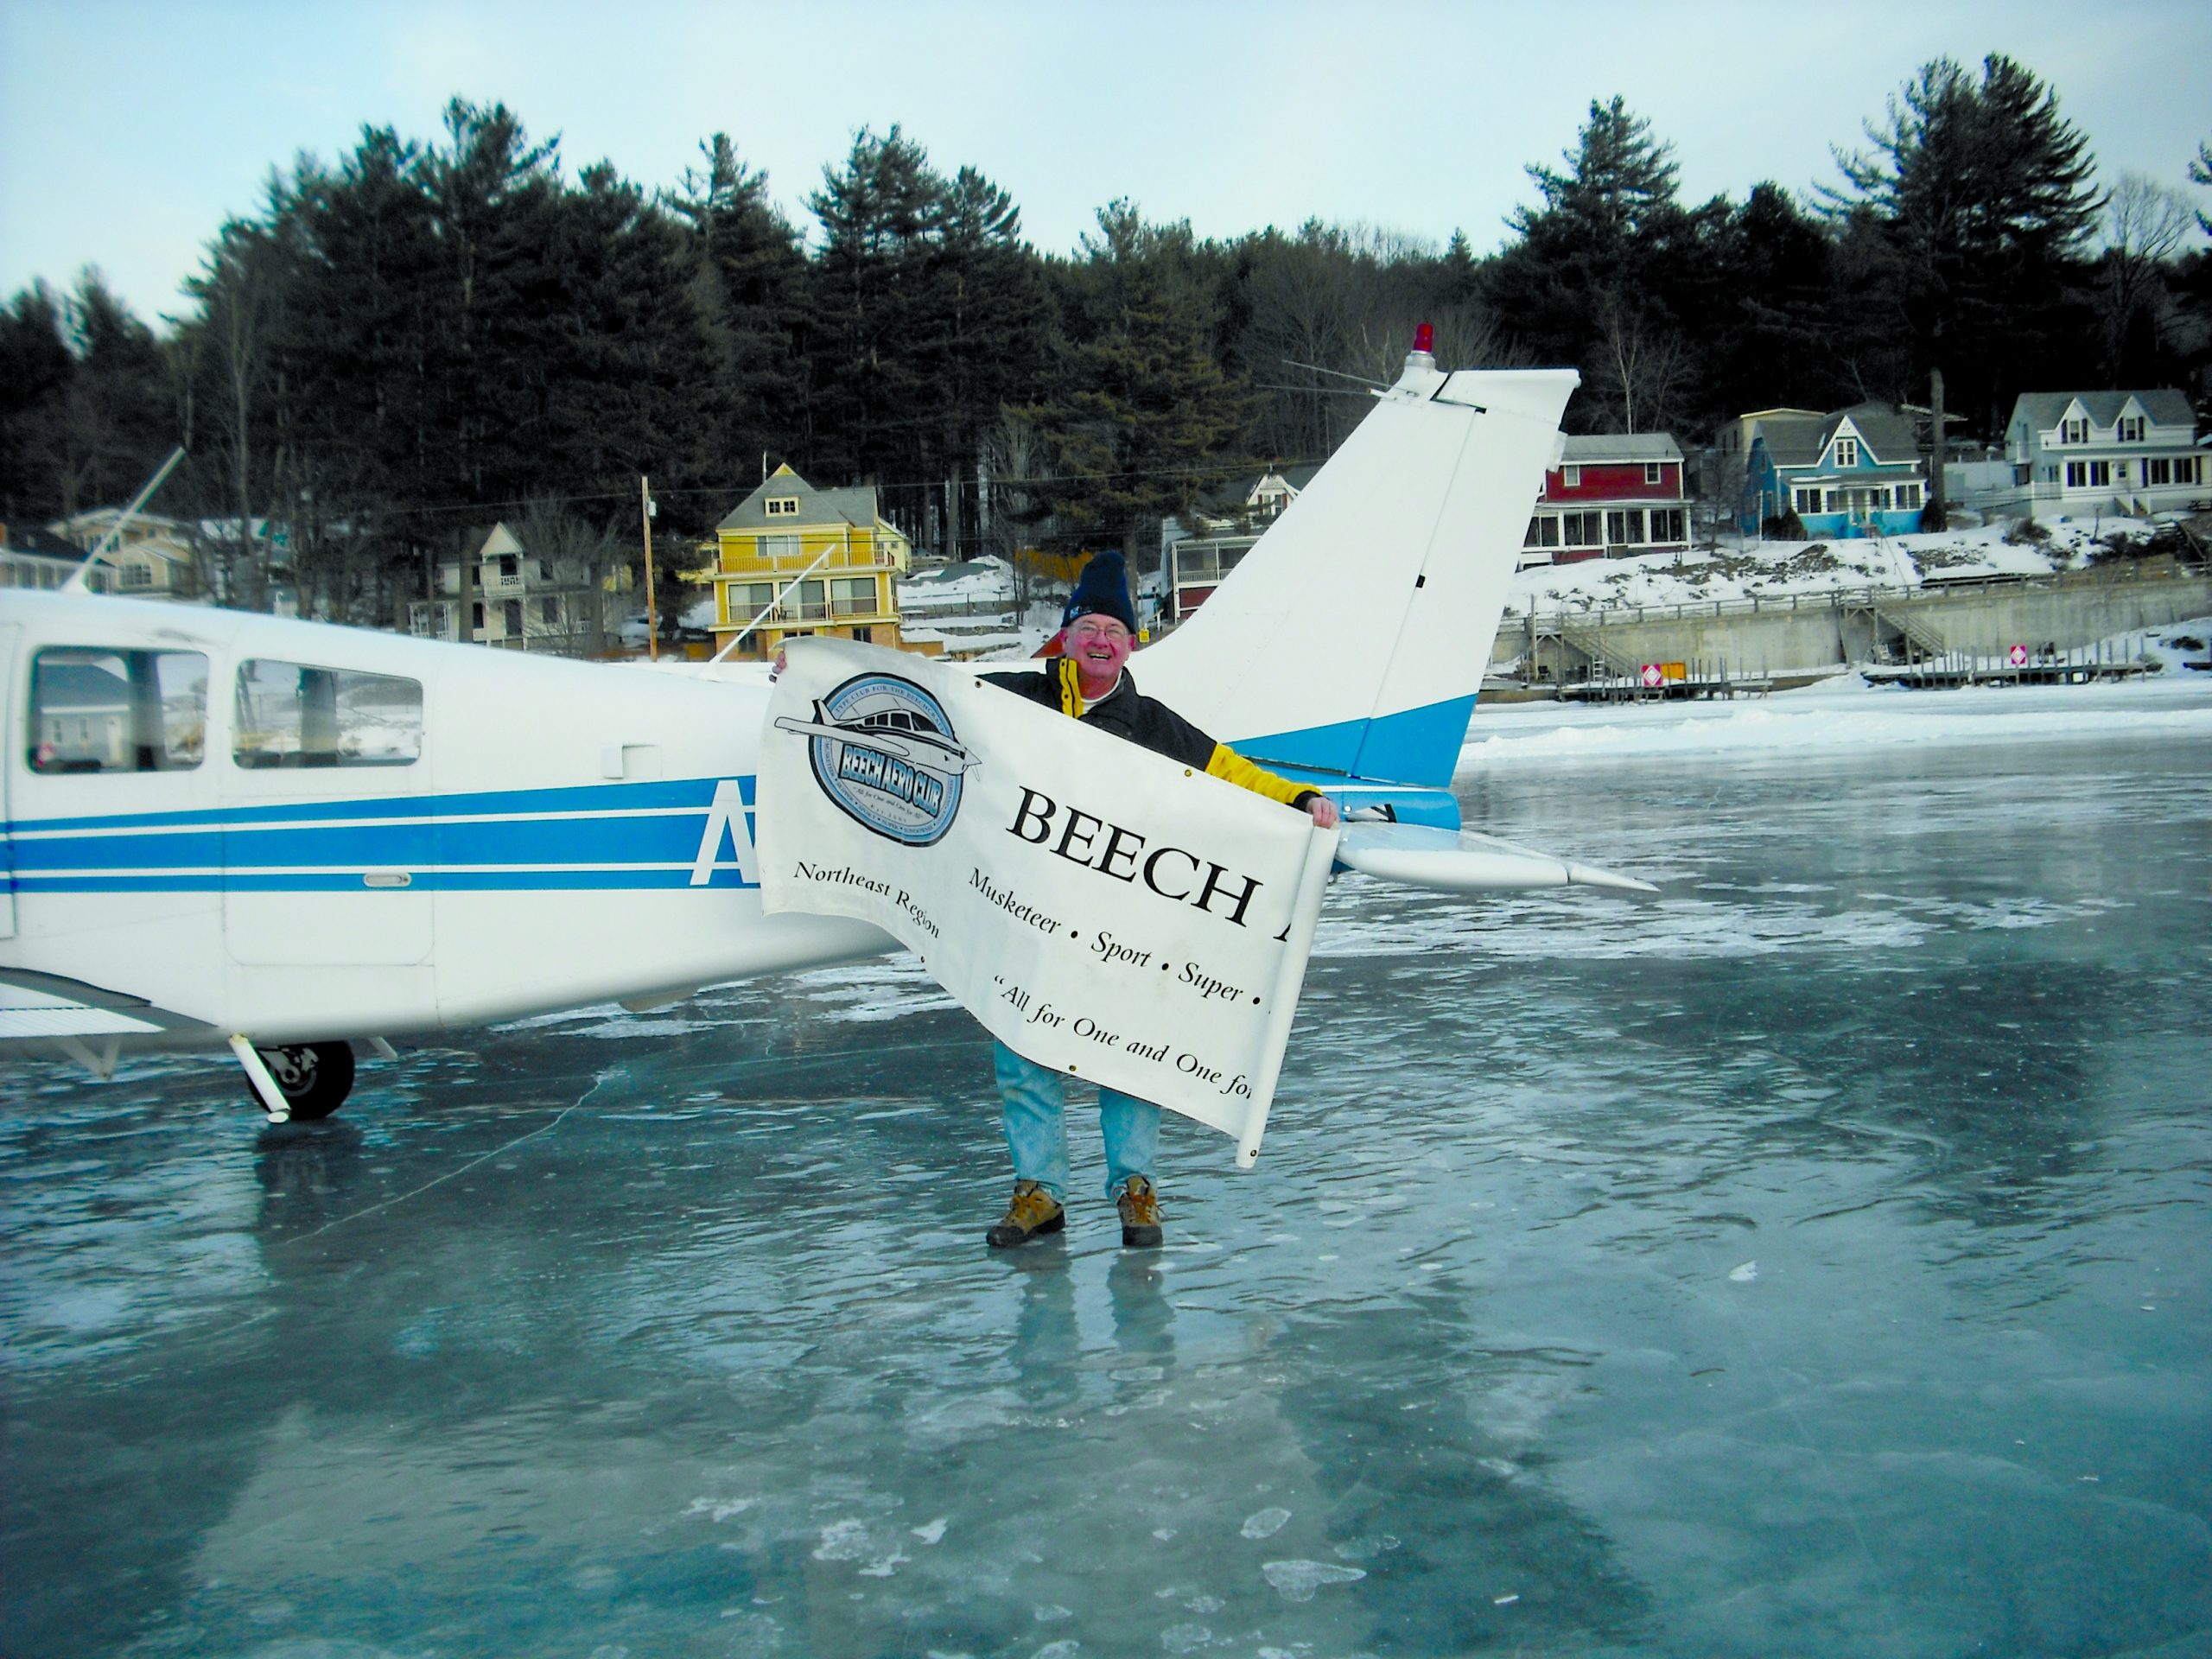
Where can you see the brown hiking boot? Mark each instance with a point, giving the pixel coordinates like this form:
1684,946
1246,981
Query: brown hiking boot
1139,1208
1033,1211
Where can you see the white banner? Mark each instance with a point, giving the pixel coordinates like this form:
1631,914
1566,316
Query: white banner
1102,909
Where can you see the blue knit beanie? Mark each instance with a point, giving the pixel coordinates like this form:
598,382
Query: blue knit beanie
1103,588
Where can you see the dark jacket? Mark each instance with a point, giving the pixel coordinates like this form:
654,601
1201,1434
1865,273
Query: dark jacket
1150,724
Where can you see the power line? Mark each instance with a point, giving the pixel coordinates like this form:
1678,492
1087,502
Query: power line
1230,467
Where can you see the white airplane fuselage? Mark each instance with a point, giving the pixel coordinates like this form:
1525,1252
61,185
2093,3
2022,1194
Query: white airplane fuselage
566,833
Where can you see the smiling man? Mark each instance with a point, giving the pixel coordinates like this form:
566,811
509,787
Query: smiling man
1091,682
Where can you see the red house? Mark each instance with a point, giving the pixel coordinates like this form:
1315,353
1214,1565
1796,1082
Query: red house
1618,494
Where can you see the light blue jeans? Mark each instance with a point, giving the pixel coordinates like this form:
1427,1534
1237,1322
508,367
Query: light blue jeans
1032,1102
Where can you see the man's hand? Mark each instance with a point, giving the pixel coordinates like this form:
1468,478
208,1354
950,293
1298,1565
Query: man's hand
1324,810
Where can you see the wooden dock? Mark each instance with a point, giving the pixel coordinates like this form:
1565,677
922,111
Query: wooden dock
2079,665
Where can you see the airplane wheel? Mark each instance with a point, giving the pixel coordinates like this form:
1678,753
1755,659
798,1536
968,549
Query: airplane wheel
315,1078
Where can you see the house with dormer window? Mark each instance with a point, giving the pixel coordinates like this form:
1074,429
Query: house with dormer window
141,554
514,602
39,558
1224,527
2115,452
1856,472
793,559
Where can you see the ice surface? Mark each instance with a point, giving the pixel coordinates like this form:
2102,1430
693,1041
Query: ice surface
1843,713
1298,1580
1811,1259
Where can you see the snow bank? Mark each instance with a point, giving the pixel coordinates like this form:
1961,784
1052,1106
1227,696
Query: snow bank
979,584
1847,713
1776,569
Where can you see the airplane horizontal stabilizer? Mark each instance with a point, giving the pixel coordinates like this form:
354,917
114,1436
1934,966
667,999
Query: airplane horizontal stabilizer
1449,860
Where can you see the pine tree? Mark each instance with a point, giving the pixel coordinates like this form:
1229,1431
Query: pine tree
877,214
1620,187
361,350
1774,339
1610,271
492,197
748,280
927,316
114,421
1982,197
984,345
36,369
1143,420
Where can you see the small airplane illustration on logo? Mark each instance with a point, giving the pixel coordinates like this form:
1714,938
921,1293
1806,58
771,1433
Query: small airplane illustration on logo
898,733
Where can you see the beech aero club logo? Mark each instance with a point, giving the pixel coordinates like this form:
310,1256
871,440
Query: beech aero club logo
883,749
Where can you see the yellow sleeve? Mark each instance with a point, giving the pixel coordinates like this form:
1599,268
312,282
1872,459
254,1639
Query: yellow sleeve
1227,763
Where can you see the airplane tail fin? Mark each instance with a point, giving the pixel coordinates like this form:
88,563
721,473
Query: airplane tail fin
1348,646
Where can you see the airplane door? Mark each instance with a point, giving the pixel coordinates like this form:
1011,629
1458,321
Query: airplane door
9,748
322,865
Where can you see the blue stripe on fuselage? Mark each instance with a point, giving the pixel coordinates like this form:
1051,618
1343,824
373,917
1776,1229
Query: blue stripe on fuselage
623,840
694,792
578,838
575,881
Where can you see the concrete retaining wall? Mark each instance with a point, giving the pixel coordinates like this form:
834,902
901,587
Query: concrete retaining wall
1821,630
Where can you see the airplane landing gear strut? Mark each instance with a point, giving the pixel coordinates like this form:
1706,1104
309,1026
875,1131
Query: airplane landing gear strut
306,1081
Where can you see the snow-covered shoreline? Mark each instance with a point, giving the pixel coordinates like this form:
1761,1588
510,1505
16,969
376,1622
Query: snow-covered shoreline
1846,712
1774,570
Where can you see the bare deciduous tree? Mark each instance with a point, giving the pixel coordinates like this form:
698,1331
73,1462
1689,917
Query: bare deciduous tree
579,555
1640,371
2144,223
239,293
1305,295
1013,453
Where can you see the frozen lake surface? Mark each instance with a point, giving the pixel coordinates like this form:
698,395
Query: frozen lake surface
1812,1260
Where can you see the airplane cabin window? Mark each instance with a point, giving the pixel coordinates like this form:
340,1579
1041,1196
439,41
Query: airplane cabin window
296,714
94,710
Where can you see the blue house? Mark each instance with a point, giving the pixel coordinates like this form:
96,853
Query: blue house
1856,472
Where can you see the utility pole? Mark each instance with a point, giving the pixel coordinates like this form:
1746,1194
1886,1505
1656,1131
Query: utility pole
467,591
652,617
1939,514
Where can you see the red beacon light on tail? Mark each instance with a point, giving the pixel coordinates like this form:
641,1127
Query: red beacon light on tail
1423,355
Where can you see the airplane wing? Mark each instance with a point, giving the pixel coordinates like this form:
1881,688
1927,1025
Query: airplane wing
44,1007
1423,855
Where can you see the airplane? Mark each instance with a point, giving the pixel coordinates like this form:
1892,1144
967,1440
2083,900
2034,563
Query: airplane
287,837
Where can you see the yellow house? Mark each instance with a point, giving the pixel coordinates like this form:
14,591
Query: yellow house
814,561
153,557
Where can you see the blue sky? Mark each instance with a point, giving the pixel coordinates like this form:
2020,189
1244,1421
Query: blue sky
129,129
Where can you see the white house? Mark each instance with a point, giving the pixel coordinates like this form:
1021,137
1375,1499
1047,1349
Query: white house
37,558
2112,452
517,604
1226,524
